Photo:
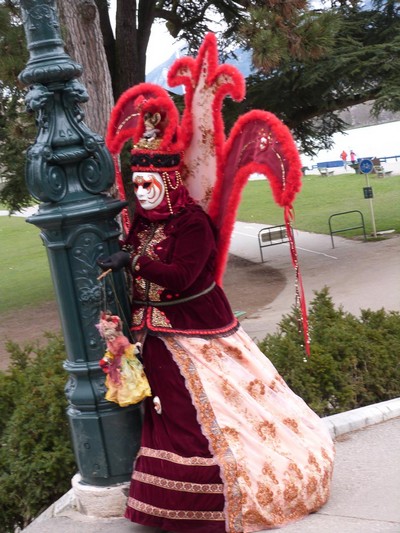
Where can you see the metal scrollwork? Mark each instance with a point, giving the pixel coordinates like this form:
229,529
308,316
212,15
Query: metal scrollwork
35,16
90,174
45,182
70,386
96,172
37,100
68,167
99,386
88,247
75,93
37,97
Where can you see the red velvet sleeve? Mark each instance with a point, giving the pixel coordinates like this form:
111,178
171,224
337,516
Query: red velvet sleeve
194,245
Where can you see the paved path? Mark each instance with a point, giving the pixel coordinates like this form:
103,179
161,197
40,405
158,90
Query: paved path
365,493
360,275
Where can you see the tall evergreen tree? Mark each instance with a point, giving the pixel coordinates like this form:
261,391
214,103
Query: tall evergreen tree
17,129
360,62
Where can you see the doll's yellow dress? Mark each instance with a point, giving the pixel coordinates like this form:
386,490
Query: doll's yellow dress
126,381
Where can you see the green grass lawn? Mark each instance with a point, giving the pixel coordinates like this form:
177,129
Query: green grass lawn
321,197
24,272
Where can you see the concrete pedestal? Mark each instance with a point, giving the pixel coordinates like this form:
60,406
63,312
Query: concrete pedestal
99,502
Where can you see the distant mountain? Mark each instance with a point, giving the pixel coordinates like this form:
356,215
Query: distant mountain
159,74
356,116
360,115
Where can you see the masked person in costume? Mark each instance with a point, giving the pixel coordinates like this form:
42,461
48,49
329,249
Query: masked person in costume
226,445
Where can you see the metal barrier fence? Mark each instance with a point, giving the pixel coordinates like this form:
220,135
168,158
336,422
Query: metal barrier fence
342,230
271,236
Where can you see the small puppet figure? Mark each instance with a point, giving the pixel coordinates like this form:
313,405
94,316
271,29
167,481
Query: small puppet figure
150,123
126,381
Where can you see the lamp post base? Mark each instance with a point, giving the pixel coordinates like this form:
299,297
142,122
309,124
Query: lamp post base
99,502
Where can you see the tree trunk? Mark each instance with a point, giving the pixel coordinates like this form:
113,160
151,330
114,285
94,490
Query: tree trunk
133,25
126,57
108,36
84,43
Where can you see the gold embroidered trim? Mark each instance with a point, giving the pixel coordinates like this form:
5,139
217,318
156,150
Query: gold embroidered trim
178,459
149,238
182,486
137,316
216,437
158,318
140,288
154,293
174,515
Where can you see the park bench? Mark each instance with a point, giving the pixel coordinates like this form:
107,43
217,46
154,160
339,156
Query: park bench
325,172
271,236
381,172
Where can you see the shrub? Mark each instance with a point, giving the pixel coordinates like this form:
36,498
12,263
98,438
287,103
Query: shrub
36,458
354,361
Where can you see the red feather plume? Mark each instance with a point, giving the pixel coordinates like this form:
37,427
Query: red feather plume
259,143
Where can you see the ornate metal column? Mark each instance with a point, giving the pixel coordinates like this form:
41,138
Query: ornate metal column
69,169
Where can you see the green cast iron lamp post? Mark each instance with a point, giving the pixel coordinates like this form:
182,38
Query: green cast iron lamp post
69,170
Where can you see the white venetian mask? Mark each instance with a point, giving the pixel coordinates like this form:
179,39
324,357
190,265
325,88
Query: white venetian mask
149,189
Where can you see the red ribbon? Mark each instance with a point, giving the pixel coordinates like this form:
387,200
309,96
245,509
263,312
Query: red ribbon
300,297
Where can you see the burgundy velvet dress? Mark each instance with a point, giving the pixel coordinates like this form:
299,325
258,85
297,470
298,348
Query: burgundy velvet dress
233,449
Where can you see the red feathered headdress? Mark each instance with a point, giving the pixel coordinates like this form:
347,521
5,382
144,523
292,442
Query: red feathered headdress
216,169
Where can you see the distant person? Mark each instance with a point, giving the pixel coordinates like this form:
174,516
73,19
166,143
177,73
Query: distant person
343,157
353,157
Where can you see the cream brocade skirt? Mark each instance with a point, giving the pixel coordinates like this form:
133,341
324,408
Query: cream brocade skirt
275,454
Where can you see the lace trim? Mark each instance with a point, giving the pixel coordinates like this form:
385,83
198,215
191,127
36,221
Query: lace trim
174,515
182,486
178,459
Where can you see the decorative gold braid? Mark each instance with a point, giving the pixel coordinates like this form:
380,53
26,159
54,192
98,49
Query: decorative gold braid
178,177
175,514
168,184
126,120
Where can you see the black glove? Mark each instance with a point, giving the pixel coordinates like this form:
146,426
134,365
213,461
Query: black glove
115,261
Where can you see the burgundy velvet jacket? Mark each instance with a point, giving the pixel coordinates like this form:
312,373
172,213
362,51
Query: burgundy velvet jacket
172,265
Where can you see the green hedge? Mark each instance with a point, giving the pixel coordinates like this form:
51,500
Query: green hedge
354,361
36,458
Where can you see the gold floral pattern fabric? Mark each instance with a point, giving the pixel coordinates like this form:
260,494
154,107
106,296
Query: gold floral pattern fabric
149,239
175,458
172,514
275,454
171,484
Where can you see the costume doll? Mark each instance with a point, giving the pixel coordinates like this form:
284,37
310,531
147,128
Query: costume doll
125,382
